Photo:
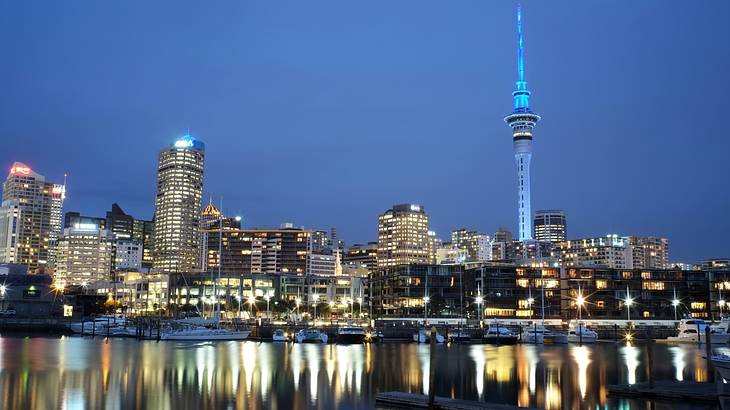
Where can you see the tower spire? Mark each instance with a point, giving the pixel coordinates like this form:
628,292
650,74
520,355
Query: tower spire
522,120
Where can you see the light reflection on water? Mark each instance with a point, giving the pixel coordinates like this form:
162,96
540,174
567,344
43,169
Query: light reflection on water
76,373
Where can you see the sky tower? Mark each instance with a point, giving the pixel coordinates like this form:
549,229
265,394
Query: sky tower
522,120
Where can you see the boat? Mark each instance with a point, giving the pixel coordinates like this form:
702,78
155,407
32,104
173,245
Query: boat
458,336
499,335
579,333
723,326
555,338
311,335
424,336
280,335
351,334
721,363
203,334
97,326
533,334
693,331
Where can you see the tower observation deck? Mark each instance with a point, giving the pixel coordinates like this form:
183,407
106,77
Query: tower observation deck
522,120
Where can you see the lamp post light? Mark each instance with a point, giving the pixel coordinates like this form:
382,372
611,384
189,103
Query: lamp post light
721,304
251,302
628,301
359,307
3,292
530,301
479,300
315,299
426,299
298,301
580,301
268,311
238,299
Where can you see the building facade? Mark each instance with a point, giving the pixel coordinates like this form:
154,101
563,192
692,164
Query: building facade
403,236
649,252
550,225
362,255
30,218
611,251
478,246
177,206
84,256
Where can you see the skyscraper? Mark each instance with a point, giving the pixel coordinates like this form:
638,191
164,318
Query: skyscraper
177,205
85,255
30,217
403,236
522,120
550,225
478,246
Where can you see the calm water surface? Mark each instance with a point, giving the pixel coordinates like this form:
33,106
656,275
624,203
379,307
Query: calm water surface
83,373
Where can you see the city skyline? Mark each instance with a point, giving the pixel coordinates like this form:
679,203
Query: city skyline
686,212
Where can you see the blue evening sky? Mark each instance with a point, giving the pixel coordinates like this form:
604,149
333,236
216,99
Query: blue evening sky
325,113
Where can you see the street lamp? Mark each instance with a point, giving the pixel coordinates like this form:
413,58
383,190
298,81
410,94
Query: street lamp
268,298
251,302
298,301
359,305
721,303
530,301
479,300
3,291
315,298
238,299
628,301
426,299
580,301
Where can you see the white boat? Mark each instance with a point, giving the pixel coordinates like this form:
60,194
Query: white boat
202,334
723,326
280,335
556,338
311,335
97,326
350,334
499,335
533,334
721,363
424,336
693,331
579,333
458,336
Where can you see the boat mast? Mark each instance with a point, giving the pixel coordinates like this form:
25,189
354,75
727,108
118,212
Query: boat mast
220,262
542,298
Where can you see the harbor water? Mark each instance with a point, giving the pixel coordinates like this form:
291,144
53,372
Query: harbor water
85,373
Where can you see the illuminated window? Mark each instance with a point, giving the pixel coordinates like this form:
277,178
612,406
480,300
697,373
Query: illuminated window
600,304
601,284
698,305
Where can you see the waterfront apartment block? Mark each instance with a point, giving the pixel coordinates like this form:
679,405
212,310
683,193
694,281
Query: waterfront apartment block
418,290
613,251
524,292
362,256
649,252
403,236
30,218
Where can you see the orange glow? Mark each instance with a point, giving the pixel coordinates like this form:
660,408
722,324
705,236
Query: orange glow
20,170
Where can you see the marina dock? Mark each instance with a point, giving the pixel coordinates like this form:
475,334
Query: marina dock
402,400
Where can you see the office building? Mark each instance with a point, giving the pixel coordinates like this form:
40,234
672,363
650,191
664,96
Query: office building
362,255
550,225
522,120
478,246
128,255
84,256
30,218
257,251
178,203
403,236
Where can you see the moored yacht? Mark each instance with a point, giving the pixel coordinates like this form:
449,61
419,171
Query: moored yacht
579,333
280,335
499,335
350,334
424,336
458,335
693,331
311,335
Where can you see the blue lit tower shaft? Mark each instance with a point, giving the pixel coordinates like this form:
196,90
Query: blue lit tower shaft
522,120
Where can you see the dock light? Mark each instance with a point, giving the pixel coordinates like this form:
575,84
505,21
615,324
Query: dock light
332,304
315,297
580,300
426,299
530,301
298,301
721,302
3,289
628,337
675,302
479,300
238,298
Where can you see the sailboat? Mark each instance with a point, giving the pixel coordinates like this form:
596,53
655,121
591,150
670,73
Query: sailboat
424,334
200,333
459,335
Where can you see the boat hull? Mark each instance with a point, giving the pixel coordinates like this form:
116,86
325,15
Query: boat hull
501,340
715,338
350,338
583,339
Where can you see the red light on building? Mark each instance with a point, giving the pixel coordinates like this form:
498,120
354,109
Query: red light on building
20,170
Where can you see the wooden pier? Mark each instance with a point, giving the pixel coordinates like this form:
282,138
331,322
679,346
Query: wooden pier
401,400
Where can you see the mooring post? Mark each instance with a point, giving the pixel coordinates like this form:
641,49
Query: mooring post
535,336
708,353
650,357
432,370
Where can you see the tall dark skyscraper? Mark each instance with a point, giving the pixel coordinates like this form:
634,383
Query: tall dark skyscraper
522,120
